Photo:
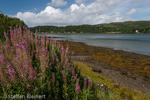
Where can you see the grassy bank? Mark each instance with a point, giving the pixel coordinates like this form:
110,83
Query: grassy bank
116,92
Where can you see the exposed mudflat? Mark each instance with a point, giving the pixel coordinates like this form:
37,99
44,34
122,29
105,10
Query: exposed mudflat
122,76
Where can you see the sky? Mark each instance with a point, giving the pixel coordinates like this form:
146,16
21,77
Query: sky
75,12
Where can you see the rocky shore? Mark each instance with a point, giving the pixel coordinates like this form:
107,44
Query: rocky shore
128,69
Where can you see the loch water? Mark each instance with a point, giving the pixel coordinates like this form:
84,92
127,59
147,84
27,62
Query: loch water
137,43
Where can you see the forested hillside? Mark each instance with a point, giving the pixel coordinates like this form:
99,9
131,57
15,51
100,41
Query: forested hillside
119,27
6,22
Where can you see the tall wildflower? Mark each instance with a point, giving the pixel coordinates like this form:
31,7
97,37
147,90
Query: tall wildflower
53,78
89,83
26,61
77,87
73,72
12,74
85,83
64,76
16,53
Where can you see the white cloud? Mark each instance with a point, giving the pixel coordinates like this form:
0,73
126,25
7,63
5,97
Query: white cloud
57,3
97,12
80,1
132,11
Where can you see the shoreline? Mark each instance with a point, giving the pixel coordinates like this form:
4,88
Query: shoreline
124,68
102,48
92,33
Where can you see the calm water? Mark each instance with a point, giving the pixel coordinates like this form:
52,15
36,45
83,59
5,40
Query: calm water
138,43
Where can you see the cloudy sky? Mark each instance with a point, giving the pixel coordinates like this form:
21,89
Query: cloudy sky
76,12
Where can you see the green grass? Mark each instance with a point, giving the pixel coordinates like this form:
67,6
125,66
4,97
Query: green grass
116,92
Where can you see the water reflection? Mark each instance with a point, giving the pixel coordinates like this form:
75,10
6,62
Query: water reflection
138,43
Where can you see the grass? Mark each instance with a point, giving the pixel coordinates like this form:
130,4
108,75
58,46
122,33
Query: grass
117,93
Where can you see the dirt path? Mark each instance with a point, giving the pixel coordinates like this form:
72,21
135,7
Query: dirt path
123,77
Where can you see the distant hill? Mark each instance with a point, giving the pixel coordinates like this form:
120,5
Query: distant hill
6,22
117,27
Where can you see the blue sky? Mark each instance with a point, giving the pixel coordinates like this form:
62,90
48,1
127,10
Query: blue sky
75,12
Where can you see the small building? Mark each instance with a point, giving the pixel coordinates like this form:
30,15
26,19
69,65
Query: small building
137,31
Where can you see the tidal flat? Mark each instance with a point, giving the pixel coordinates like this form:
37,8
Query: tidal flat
128,69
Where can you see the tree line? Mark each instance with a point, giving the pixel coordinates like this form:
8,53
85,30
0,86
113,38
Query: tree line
6,22
118,27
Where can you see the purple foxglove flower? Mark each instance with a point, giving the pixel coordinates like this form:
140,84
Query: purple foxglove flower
39,74
12,50
50,64
7,63
13,71
35,89
43,50
78,88
7,39
1,60
22,84
37,50
14,31
25,37
9,70
26,28
16,45
68,64
15,63
76,76
67,60
20,28
28,86
85,83
22,75
64,76
5,33
35,42
24,66
64,67
63,72
25,62
90,83
16,58
72,53
62,48
36,55
23,42
6,47
57,60
29,77
23,47
72,76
